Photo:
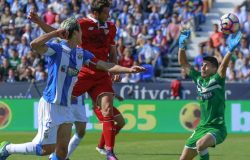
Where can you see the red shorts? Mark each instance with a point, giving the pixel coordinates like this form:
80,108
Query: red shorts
94,87
99,115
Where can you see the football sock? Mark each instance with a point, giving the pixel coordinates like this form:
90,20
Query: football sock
25,148
102,140
55,157
109,132
204,155
74,142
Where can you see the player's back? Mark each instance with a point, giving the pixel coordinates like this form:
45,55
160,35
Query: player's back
96,39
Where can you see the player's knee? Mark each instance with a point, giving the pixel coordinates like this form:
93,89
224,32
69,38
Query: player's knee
200,145
107,110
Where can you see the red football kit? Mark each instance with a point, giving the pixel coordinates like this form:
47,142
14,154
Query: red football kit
96,39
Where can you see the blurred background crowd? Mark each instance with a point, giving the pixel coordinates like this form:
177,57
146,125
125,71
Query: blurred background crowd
147,35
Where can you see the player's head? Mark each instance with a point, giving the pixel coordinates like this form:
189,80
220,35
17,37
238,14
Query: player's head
100,9
74,30
209,66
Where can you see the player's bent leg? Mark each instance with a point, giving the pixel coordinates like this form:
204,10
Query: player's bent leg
188,154
63,138
77,137
202,145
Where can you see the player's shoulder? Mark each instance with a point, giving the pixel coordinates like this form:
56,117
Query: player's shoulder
85,21
111,24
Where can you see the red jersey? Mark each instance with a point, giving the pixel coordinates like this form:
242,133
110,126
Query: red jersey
96,39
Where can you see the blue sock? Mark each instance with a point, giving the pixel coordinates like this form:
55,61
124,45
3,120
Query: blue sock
55,157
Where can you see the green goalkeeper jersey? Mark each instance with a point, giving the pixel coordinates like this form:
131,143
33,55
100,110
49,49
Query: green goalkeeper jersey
211,95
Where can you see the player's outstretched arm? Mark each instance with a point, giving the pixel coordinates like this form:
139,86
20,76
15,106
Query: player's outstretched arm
233,42
182,57
36,19
114,68
38,44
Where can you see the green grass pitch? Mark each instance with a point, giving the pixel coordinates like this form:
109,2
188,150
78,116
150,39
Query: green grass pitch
142,146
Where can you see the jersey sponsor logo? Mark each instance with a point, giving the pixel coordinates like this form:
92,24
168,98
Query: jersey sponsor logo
70,71
206,96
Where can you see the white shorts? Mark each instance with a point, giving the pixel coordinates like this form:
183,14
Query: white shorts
50,117
79,113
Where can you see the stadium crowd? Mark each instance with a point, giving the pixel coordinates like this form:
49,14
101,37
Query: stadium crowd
147,34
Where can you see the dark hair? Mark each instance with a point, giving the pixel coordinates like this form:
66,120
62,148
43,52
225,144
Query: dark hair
212,60
98,5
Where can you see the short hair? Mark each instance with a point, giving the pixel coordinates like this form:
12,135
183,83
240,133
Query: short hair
70,24
98,5
212,60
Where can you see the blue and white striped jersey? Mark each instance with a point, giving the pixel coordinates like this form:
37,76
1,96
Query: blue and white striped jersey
64,64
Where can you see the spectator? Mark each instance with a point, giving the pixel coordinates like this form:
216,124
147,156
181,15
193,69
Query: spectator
223,46
216,36
38,72
149,53
19,20
242,15
244,48
22,67
6,16
11,76
14,59
126,60
49,15
23,48
4,68
15,7
245,71
27,77
43,77
198,60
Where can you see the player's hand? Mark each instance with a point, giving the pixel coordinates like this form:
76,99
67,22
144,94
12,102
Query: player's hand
184,35
137,69
33,17
116,78
234,41
62,33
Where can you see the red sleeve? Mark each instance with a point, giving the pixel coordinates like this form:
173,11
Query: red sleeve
112,33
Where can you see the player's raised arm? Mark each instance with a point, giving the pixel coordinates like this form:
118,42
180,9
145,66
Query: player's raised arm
233,42
182,58
114,68
36,19
39,45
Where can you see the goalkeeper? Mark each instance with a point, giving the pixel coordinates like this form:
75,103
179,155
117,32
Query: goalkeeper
210,82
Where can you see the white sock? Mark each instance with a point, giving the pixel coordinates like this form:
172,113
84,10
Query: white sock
24,148
74,141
